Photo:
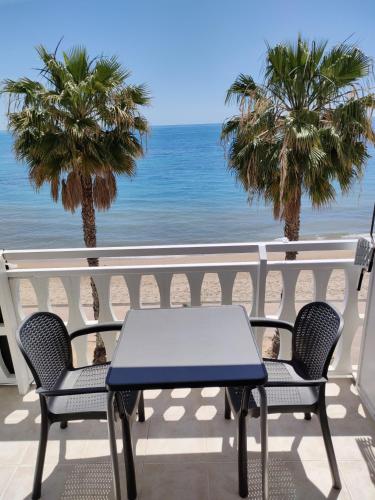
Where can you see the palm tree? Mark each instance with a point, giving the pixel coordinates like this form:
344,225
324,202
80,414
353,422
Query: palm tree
77,128
305,128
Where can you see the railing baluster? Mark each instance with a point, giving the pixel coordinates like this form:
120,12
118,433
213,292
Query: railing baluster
195,280
41,288
133,282
253,273
76,320
260,292
226,279
321,279
287,308
342,363
261,282
164,281
106,314
16,297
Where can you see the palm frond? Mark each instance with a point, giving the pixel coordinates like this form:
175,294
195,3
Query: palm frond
79,118
305,128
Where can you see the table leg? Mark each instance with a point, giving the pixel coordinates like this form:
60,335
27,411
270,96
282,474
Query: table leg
112,444
264,440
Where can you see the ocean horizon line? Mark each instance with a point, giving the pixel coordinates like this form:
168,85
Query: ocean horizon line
158,125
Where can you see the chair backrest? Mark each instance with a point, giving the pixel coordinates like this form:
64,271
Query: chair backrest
317,329
45,343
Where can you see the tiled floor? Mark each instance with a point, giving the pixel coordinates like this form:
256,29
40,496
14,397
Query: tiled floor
187,451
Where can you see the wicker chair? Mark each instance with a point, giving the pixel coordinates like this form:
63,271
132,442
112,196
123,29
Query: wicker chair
297,385
68,393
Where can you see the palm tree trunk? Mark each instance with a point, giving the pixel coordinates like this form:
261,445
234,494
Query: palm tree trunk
292,222
89,236
292,218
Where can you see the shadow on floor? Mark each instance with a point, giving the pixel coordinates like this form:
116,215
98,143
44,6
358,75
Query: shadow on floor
365,446
171,469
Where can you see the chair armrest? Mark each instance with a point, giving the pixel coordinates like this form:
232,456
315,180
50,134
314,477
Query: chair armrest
297,383
104,327
276,323
69,392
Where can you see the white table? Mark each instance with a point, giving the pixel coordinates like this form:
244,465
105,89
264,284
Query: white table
186,347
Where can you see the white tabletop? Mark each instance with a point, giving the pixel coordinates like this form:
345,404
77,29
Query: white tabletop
186,347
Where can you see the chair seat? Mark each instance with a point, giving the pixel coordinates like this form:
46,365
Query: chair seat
279,399
92,404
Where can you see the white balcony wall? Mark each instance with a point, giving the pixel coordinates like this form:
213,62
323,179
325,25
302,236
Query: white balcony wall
166,267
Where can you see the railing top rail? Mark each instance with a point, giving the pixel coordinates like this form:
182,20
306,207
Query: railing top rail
144,269
311,245
217,267
130,251
174,250
278,265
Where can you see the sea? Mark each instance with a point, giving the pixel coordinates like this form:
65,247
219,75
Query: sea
182,193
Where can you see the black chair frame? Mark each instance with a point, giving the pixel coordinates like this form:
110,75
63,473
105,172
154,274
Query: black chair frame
125,403
241,403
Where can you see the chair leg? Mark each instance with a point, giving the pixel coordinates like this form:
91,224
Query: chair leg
242,456
129,460
308,416
329,446
264,440
141,408
227,413
63,425
112,445
37,486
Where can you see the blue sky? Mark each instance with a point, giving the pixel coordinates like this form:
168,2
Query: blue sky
187,51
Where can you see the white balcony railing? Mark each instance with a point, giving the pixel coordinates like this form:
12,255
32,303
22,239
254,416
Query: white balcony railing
253,260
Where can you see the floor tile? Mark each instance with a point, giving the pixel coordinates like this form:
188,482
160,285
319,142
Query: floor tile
170,441
187,450
174,482
359,477
287,481
6,473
